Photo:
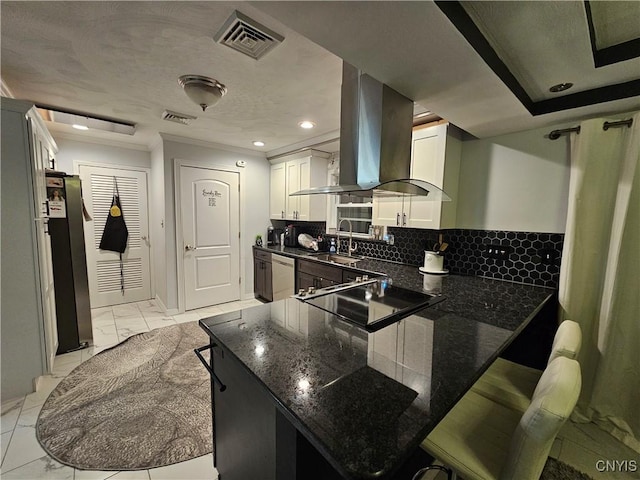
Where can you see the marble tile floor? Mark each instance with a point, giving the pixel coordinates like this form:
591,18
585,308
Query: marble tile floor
22,455
579,445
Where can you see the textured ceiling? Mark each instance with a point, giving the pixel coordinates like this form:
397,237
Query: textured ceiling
414,48
122,60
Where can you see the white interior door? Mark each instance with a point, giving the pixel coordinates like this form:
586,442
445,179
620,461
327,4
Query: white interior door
210,209
103,267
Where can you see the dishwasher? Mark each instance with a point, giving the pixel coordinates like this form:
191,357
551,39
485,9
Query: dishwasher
283,276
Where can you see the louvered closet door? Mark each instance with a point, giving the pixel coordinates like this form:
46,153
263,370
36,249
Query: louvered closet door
103,266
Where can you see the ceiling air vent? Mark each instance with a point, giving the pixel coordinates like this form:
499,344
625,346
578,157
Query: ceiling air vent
176,117
247,36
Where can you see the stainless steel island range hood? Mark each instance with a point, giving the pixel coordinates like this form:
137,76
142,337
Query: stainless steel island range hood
375,141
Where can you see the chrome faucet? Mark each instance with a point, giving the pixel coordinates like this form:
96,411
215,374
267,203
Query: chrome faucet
352,247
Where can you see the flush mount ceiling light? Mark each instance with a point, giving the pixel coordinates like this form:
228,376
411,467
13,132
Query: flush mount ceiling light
258,143
204,91
306,124
561,87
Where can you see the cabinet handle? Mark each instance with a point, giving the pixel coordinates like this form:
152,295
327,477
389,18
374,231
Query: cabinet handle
404,219
397,219
282,213
215,378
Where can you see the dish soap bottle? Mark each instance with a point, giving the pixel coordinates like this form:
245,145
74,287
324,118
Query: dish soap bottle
332,248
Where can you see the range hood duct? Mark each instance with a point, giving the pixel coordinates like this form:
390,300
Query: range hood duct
375,141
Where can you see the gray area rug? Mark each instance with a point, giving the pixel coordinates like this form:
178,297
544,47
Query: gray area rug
142,404
557,470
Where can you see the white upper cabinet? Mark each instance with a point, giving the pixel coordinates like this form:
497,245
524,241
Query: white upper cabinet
435,158
298,172
278,192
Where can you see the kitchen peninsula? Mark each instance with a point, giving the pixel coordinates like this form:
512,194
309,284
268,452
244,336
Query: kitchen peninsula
308,395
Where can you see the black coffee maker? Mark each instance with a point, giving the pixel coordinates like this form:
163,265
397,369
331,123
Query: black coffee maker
291,233
273,235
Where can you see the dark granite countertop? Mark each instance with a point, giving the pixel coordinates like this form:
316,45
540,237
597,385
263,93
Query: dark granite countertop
366,400
501,303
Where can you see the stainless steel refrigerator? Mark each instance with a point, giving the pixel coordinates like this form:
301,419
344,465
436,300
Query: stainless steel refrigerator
73,309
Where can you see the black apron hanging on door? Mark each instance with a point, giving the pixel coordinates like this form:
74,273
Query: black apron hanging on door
115,234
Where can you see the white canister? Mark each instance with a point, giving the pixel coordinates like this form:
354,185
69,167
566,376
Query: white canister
433,262
432,284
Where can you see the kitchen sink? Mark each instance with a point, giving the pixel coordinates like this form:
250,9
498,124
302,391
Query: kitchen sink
336,258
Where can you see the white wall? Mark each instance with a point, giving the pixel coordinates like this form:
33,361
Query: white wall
157,221
254,204
517,182
71,150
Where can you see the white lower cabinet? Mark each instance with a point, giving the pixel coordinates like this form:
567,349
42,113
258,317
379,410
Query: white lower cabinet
298,172
435,158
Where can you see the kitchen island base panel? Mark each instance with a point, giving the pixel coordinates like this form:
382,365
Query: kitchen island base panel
243,419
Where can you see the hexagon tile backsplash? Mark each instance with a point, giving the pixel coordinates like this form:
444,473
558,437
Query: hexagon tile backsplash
531,258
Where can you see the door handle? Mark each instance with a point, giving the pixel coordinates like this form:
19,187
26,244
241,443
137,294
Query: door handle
188,248
144,237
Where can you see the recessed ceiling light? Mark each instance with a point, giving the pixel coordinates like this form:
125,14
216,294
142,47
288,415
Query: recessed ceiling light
258,143
561,87
80,127
307,124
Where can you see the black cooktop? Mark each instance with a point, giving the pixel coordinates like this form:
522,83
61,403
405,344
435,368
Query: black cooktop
373,305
